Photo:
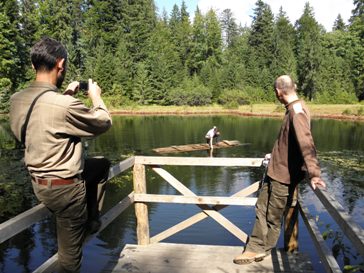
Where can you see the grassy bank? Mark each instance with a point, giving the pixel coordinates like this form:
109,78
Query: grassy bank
336,111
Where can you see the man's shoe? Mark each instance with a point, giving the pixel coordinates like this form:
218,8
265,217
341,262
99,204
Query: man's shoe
248,257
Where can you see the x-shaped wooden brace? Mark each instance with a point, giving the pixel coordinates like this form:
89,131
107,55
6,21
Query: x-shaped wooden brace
207,210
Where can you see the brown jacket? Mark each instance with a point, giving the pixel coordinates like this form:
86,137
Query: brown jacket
294,151
56,125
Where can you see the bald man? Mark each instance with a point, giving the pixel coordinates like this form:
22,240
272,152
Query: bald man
293,155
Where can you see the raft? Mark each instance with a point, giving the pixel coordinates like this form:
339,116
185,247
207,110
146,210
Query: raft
197,147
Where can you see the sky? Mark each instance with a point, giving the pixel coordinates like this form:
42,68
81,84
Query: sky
326,11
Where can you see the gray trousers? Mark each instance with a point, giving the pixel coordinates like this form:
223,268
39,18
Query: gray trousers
270,208
73,206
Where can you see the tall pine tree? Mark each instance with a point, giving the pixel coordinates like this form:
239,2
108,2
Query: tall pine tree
357,33
260,42
308,52
284,61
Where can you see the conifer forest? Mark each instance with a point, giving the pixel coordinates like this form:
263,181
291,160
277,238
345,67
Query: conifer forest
140,55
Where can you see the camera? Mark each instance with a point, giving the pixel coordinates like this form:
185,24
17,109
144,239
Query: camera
83,86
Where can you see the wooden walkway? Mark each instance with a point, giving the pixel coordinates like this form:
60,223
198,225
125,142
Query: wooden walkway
197,147
185,258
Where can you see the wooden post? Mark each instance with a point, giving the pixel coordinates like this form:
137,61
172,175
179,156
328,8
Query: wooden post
141,209
291,225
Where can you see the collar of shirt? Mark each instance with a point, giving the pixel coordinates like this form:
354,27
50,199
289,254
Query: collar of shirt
43,85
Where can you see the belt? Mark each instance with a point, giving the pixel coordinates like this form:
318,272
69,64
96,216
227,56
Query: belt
55,181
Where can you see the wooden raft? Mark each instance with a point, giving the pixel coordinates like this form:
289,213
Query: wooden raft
197,147
186,258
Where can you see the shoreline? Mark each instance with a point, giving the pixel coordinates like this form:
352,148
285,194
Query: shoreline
318,111
261,110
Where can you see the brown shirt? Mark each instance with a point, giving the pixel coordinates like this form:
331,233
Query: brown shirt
56,125
294,151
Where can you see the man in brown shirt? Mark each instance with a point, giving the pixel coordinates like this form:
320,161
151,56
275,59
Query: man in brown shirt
61,178
293,154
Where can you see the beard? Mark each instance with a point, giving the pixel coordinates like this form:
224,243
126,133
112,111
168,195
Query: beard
60,79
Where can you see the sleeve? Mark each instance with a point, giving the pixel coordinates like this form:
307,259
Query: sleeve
82,121
306,144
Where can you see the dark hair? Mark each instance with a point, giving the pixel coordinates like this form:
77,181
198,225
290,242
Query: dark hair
45,53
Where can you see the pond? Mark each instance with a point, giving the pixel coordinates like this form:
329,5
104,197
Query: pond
340,146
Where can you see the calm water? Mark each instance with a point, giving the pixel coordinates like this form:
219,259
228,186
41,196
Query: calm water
340,145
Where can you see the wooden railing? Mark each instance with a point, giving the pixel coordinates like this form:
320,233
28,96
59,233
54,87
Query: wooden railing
209,205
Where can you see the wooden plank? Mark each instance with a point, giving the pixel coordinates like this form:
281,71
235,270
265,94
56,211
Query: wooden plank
168,258
201,200
326,257
291,226
141,209
121,167
227,224
348,226
199,216
22,221
197,146
199,161
51,264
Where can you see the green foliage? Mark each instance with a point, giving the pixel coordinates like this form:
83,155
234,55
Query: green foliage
5,90
339,24
341,249
229,28
135,55
335,96
190,92
349,112
233,97
118,100
308,50
284,61
143,91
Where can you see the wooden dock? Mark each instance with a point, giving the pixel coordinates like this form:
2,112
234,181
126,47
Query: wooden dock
152,256
186,258
197,147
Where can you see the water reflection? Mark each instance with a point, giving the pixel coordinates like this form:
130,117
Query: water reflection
338,143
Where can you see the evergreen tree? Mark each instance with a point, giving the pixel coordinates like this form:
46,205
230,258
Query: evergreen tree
180,28
175,18
335,85
138,20
29,26
102,20
100,66
123,65
210,68
142,90
339,24
60,19
213,37
198,52
308,51
261,35
284,61
260,42
229,28
356,29
163,63
10,43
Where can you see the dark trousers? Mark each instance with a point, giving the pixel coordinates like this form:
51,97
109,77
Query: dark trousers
270,208
74,206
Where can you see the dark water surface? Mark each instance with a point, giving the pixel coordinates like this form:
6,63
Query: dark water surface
341,151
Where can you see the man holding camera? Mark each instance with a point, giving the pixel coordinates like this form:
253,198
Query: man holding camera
51,125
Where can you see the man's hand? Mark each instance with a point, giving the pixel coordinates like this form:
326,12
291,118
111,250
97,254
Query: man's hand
317,181
72,88
94,91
